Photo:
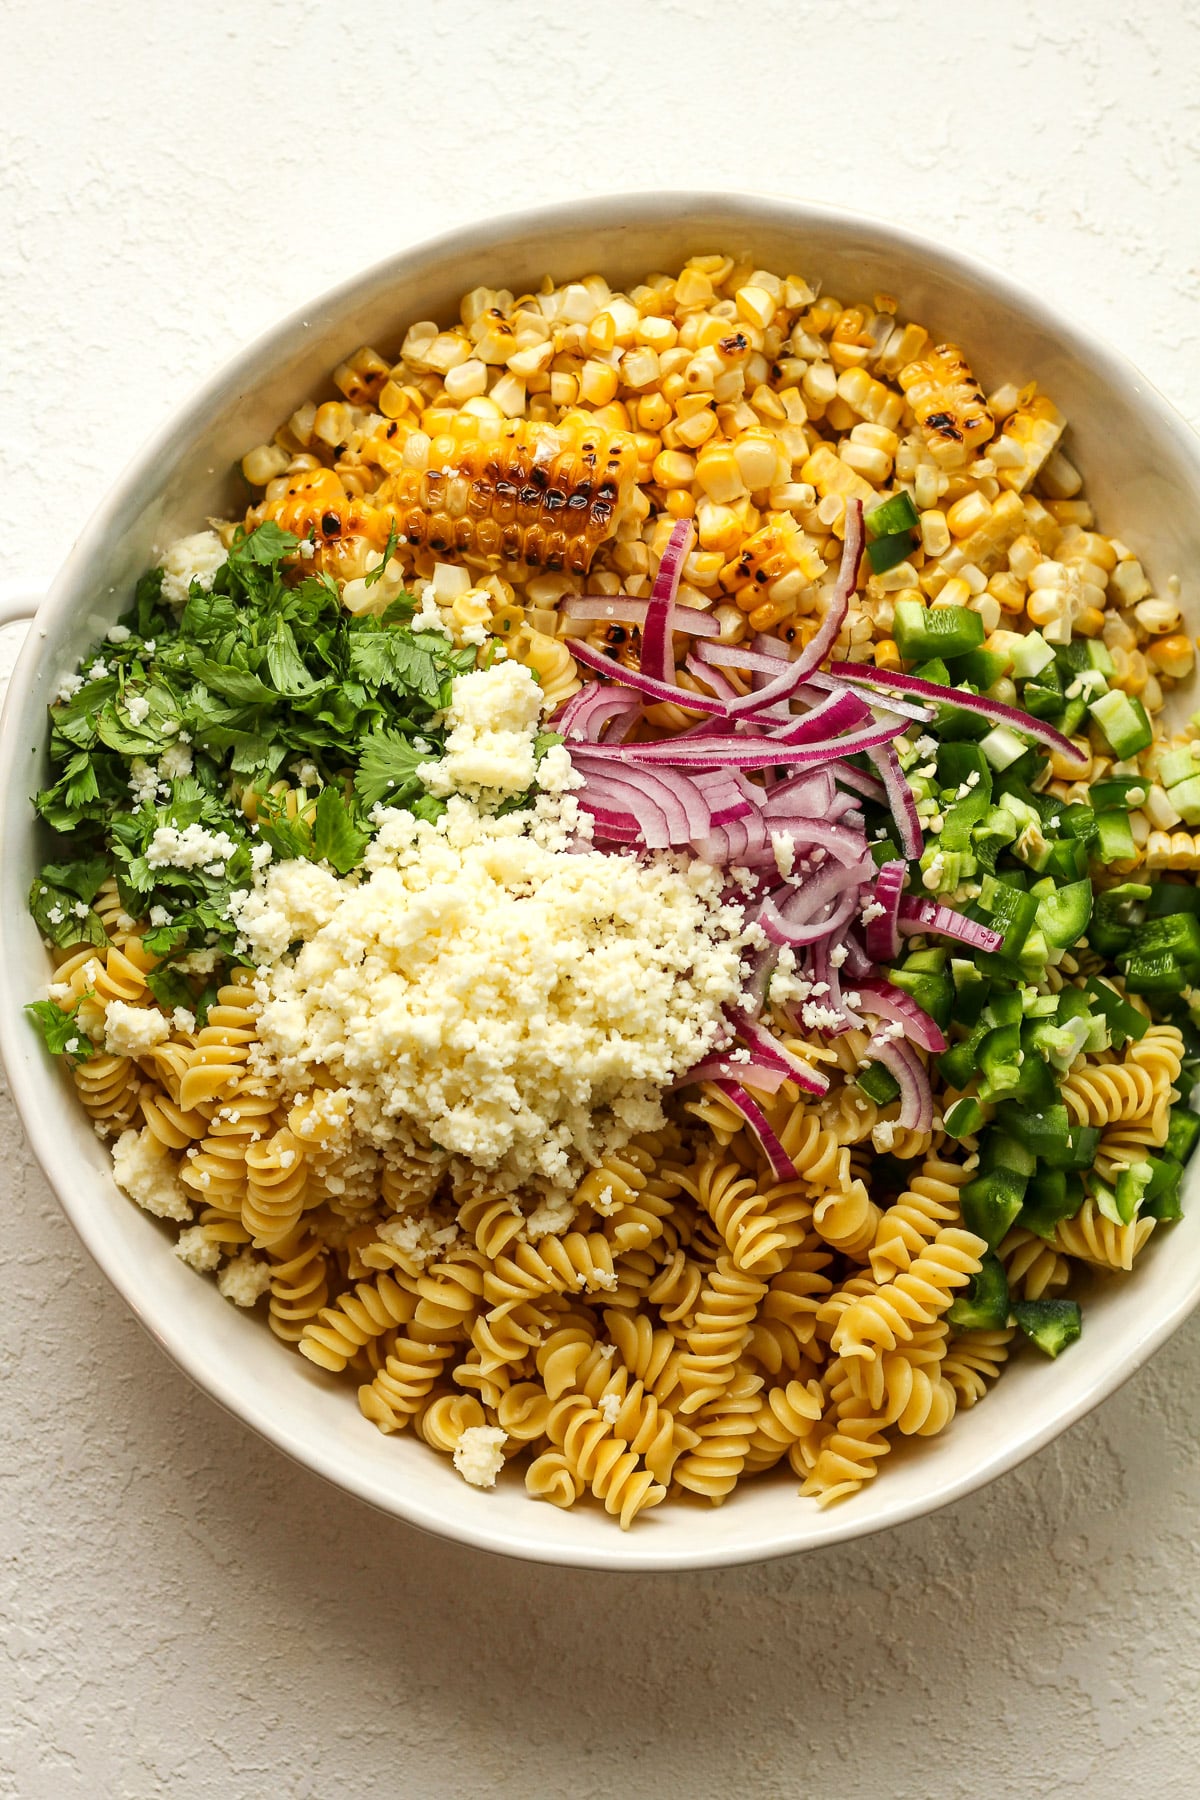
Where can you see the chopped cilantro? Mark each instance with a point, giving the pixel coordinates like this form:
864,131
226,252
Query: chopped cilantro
63,1037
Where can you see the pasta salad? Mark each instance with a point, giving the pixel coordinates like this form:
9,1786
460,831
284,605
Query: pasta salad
636,902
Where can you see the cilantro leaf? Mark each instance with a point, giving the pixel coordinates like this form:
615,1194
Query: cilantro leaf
267,546
63,919
284,662
83,878
170,987
61,1034
376,574
387,772
336,838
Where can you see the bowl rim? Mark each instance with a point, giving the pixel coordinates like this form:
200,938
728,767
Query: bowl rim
603,213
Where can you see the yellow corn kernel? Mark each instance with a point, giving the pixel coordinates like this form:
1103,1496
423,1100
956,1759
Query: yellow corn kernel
1029,438
718,527
1157,616
968,515
828,474
1129,583
947,403
693,289
756,305
672,469
759,461
902,347
597,383
1174,656
935,533
1060,479
1089,622
771,612
870,398
718,473
680,504
264,463
850,344
1172,850
1066,770
887,654
697,430
703,567
1008,591
872,464
652,412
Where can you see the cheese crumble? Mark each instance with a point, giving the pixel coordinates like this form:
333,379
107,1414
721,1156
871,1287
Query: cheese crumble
518,998
479,1454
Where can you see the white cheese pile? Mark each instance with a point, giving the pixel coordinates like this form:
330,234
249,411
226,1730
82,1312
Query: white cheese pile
519,1001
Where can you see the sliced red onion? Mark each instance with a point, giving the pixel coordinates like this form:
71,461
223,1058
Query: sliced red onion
929,915
916,1099
857,963
921,714
767,1048
811,794
826,636
843,845
657,660
782,930
887,1002
767,1077
883,932
586,714
994,710
900,798
782,1166
625,609
657,691
631,787
846,775
724,690
737,656
749,753
839,712
762,968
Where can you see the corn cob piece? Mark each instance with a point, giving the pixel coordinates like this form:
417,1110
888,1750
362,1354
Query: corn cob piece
1030,436
344,528
948,404
535,497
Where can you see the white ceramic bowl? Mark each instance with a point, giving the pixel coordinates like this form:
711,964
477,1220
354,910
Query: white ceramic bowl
1142,467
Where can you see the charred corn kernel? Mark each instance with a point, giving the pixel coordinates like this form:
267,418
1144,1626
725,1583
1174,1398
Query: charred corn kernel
850,344
680,504
639,367
903,346
774,551
672,469
718,473
597,383
535,497
717,527
935,533
968,515
1060,479
697,430
467,381
947,403
264,463
1172,850
652,412
828,474
1174,656
870,398
770,613
1157,615
362,377
887,654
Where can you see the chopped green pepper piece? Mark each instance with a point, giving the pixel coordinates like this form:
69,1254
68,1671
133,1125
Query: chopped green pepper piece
1178,932
1182,1134
1185,798
971,990
960,1063
1120,1203
933,992
888,552
1001,1151
1118,790
1172,897
1114,916
1155,972
1114,838
1163,1197
1052,1195
1123,1021
990,1204
1123,720
924,631
878,1083
1040,1132
1063,916
1082,654
981,668
1050,1324
1042,702
983,1304
896,514
964,1118
1006,910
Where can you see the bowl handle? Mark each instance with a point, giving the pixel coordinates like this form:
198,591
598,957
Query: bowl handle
18,604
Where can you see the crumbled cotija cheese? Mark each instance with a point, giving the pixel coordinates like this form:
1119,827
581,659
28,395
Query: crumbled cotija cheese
143,1170
189,559
519,1001
479,1455
132,1030
244,1279
492,717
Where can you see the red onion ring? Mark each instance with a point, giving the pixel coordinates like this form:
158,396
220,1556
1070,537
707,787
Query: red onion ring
994,710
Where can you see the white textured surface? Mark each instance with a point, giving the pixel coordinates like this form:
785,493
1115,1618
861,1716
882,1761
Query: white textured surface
183,1613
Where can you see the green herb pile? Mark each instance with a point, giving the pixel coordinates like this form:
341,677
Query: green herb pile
261,679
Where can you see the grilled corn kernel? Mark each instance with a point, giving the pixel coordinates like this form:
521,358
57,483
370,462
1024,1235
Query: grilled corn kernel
887,654
947,403
522,499
672,469
264,464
